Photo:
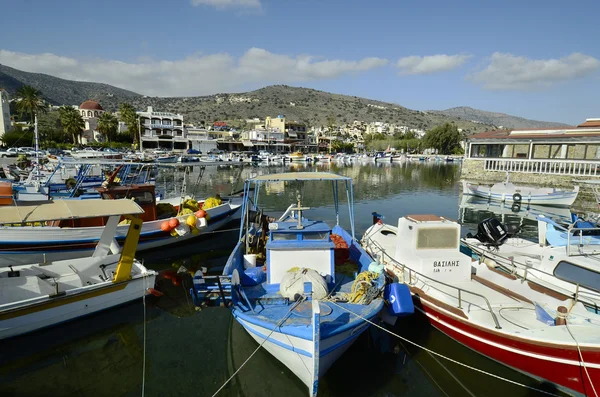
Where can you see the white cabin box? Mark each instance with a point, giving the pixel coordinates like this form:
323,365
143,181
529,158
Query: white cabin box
430,245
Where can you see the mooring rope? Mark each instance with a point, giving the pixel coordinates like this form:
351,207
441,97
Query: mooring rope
581,358
261,344
445,357
145,284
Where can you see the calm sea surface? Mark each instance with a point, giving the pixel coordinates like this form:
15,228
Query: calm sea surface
191,353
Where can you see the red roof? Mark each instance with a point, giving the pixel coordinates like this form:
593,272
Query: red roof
91,105
590,123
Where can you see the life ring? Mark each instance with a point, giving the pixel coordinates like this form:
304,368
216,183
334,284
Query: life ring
516,207
517,197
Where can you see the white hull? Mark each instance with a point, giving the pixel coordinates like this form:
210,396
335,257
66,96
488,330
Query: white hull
135,289
534,196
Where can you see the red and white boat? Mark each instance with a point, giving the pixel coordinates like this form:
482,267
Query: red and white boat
525,325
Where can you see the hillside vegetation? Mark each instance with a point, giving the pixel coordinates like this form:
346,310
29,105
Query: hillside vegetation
317,108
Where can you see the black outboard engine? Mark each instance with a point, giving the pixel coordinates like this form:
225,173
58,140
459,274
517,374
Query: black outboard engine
491,231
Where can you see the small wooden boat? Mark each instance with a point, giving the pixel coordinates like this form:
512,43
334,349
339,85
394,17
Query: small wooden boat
75,238
512,315
509,192
39,295
285,289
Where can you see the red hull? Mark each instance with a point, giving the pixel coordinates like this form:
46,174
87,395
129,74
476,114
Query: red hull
552,362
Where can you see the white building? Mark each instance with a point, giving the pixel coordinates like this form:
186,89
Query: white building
90,111
162,130
201,139
4,112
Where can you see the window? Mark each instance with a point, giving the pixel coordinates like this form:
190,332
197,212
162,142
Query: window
89,113
576,151
437,238
95,113
578,275
315,236
593,152
284,236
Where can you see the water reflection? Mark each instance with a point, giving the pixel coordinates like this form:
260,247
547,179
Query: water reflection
190,352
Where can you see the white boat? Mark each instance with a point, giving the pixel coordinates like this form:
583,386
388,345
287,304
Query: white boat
39,295
75,238
298,307
516,316
168,159
509,192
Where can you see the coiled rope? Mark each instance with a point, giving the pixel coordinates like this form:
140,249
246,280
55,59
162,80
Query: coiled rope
445,357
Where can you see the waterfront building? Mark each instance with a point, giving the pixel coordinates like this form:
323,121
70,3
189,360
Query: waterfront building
5,125
90,111
201,139
162,131
560,151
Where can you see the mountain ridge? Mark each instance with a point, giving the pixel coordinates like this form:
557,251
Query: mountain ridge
318,108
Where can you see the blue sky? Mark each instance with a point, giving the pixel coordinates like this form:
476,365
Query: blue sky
536,59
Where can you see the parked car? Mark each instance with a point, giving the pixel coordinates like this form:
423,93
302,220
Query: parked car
10,152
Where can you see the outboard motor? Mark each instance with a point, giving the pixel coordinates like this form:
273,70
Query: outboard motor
491,231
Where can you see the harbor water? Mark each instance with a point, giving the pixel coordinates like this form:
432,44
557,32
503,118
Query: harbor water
164,346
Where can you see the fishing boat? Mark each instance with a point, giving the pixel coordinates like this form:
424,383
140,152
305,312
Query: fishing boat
164,225
508,192
286,289
38,295
167,159
521,322
298,156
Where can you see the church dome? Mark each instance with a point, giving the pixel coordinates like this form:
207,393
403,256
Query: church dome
91,105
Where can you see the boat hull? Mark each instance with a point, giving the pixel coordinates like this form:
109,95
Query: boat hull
555,363
74,304
557,199
295,352
26,245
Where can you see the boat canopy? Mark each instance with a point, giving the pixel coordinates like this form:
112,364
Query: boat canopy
300,176
66,209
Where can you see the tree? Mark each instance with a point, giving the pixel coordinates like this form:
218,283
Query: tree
445,138
130,118
342,147
108,125
72,122
29,101
49,127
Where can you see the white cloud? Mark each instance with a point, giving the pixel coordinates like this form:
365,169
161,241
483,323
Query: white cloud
195,75
223,4
431,63
510,72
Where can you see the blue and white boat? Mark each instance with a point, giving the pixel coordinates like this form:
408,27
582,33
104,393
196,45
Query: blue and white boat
285,288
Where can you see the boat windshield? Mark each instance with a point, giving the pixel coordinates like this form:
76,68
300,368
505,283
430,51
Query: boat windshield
579,275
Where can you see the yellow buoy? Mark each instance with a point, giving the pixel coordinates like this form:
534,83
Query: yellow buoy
191,220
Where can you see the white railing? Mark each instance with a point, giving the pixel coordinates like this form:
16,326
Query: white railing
555,167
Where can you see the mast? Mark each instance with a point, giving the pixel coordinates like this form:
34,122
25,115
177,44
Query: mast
37,145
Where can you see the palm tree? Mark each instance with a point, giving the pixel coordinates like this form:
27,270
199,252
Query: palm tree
29,101
72,122
130,118
108,125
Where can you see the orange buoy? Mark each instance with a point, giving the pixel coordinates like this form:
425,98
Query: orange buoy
200,214
165,227
155,292
173,223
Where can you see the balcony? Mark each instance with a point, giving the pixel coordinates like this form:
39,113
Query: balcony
552,167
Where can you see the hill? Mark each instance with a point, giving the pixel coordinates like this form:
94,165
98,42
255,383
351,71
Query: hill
60,91
494,118
314,107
